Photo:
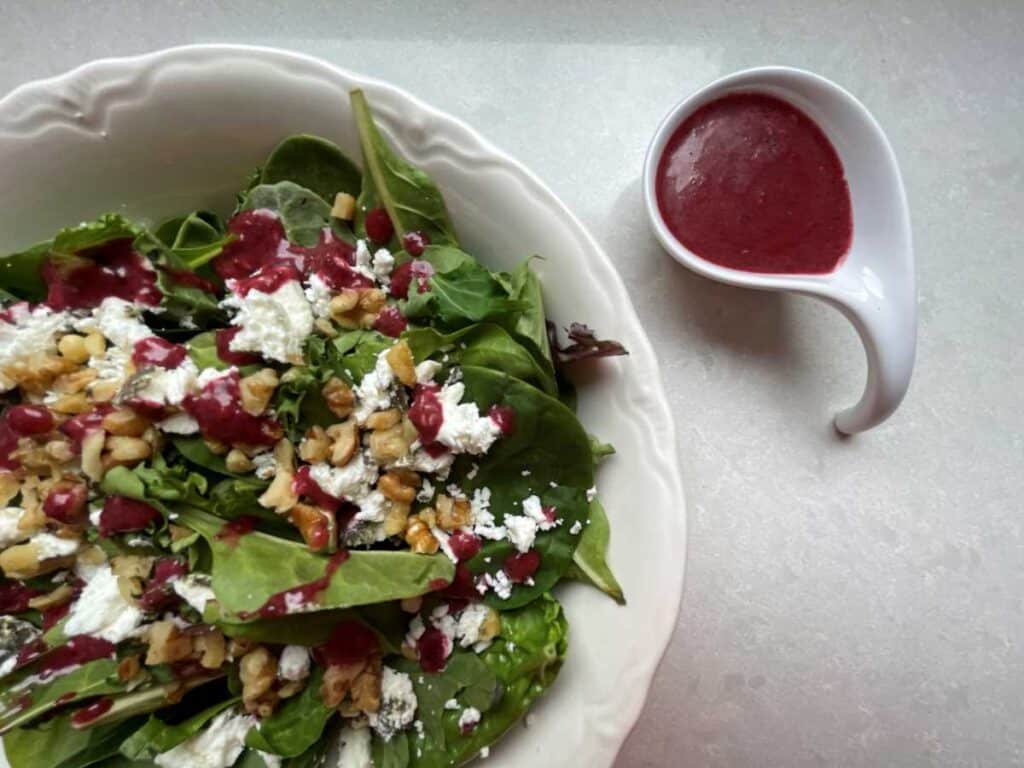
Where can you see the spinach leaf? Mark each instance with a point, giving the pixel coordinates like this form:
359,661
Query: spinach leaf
353,354
591,555
314,757
297,724
530,324
600,451
105,229
156,736
303,214
548,446
460,292
94,678
314,163
411,199
20,273
64,745
309,629
388,754
484,345
521,665
243,583
195,450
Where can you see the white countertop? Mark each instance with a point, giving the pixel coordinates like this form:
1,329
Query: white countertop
848,602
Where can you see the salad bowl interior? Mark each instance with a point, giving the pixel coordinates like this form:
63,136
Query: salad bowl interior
182,129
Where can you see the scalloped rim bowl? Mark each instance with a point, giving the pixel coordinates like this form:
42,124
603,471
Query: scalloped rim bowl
180,129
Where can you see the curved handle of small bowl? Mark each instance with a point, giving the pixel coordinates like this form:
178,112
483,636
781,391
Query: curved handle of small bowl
887,325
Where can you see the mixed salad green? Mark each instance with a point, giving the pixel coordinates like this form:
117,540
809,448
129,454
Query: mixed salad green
289,488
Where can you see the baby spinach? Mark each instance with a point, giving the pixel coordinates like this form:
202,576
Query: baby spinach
460,291
94,678
548,446
484,345
410,197
314,163
297,724
502,683
599,450
243,582
302,212
195,450
157,736
64,745
20,274
309,629
591,555
530,324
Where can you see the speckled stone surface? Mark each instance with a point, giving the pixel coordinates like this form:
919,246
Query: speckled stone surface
849,602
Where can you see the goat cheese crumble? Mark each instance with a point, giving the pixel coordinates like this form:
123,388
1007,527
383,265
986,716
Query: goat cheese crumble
102,611
218,746
397,704
275,325
463,429
294,664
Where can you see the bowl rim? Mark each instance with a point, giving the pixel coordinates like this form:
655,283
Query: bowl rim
657,411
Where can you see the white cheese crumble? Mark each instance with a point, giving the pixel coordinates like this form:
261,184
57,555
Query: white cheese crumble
470,622
218,746
591,493
49,546
498,582
31,331
485,752
212,374
451,705
374,392
421,461
348,482
10,533
522,531
275,325
426,492
383,263
354,748
373,507
294,663
397,704
426,371
533,509
576,528
264,465
112,365
463,429
102,611
179,424
318,294
168,386
483,520
118,320
364,260
468,719
194,590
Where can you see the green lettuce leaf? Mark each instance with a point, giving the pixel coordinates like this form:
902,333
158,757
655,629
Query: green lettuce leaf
410,197
548,446
314,163
242,581
297,724
484,345
64,745
591,555
303,213
94,678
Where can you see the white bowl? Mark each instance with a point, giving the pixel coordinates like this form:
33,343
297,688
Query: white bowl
180,129
874,287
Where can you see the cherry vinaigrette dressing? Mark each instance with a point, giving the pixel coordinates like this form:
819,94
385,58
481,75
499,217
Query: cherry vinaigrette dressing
751,183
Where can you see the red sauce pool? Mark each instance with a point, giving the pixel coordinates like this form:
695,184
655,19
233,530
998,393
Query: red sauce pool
403,275
222,339
522,566
218,409
77,427
433,648
304,485
14,597
78,650
505,417
236,529
121,514
154,351
751,183
426,412
390,322
351,641
111,269
159,593
87,714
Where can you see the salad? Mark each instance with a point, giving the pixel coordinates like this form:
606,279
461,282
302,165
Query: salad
290,490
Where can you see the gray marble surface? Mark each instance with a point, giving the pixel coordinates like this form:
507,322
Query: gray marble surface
848,602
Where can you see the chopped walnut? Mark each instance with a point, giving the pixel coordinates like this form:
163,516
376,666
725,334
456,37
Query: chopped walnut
346,442
315,446
339,397
400,359
124,422
418,535
452,513
167,644
257,389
